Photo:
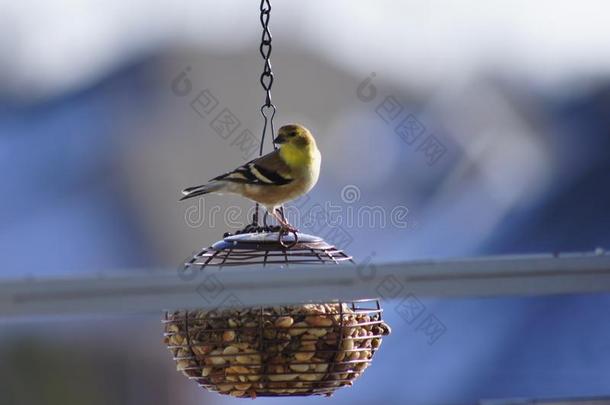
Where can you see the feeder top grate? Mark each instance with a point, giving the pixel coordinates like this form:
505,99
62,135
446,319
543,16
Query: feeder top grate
265,248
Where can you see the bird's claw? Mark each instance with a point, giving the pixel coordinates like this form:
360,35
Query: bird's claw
288,229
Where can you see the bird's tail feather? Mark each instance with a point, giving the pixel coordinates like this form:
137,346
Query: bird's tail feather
191,192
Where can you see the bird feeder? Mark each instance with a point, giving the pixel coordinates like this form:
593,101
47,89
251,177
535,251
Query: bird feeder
292,350
289,350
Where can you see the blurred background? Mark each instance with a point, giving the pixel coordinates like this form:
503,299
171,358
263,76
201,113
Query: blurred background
484,127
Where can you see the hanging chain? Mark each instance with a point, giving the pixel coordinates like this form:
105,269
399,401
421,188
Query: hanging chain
267,75
267,109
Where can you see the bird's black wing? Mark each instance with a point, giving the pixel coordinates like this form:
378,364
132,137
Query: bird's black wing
268,170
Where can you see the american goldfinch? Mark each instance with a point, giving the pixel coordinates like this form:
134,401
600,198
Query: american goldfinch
275,178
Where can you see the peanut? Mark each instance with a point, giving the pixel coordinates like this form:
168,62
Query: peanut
318,320
284,322
228,336
301,356
299,367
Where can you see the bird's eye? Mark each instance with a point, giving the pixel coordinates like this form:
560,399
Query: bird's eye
292,134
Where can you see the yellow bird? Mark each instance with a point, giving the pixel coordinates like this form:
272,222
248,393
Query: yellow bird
275,178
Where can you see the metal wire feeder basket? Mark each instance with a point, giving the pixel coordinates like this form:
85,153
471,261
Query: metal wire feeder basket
292,350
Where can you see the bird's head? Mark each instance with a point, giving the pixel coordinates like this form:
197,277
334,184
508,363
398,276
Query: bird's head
295,136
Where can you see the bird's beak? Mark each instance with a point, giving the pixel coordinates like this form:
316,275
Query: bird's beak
279,139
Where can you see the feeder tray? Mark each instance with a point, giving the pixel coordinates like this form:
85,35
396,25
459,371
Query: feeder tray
294,350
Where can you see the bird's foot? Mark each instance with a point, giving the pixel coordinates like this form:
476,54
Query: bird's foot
287,228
